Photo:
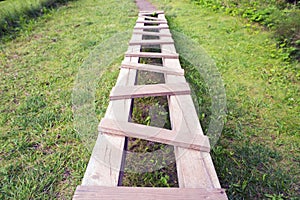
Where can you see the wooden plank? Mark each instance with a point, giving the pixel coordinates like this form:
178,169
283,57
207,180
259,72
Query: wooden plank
159,27
136,91
153,68
151,42
180,139
150,12
152,22
152,55
194,169
147,193
154,18
151,33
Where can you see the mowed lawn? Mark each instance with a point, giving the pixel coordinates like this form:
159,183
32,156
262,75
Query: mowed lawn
43,157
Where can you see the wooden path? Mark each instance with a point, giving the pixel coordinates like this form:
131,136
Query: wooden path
196,174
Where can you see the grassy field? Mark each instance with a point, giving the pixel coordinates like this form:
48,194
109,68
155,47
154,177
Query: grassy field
42,156
15,13
280,16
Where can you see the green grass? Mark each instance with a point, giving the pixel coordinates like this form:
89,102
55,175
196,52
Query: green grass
42,157
283,17
150,164
17,13
258,153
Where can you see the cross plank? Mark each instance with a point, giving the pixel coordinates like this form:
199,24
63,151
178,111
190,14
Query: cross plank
150,12
152,55
153,18
136,91
161,26
151,33
153,68
152,22
151,42
146,193
180,139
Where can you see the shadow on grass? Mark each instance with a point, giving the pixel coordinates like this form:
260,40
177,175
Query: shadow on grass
250,170
15,15
200,93
246,169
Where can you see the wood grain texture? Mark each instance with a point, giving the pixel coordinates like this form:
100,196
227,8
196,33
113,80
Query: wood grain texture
129,92
181,139
151,33
153,18
152,22
160,26
150,12
153,68
151,42
130,193
152,55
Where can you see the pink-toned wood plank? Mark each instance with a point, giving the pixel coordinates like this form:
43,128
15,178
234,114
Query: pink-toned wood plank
159,27
154,18
151,42
136,91
147,193
151,22
165,136
150,12
153,68
152,55
151,33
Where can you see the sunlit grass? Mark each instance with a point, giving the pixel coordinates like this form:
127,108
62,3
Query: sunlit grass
17,13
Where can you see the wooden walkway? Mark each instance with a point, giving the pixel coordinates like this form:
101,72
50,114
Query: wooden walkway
196,174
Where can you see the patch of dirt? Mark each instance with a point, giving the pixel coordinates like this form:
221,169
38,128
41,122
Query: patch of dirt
145,5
